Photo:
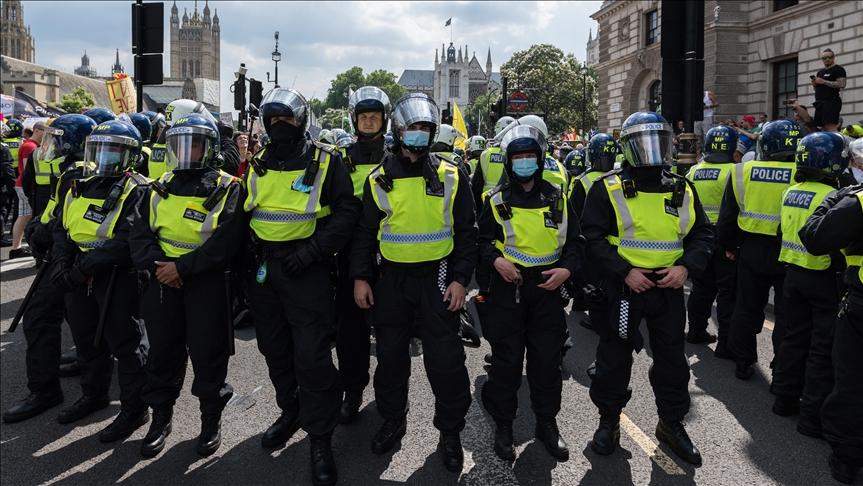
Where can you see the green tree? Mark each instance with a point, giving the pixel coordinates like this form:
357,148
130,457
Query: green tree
354,78
333,118
317,107
555,86
478,113
76,101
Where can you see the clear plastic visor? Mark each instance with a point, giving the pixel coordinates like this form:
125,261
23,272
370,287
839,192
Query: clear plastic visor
856,149
51,146
106,155
289,98
369,93
188,148
648,144
415,110
523,131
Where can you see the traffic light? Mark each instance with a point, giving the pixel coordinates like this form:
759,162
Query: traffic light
256,92
148,42
240,93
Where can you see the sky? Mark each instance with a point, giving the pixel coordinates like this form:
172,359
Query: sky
317,39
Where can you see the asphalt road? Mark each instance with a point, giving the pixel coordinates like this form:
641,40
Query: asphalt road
741,440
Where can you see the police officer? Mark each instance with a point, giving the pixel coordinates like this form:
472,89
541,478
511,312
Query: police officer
155,147
811,292
62,147
92,264
418,212
838,224
575,163
369,108
12,139
749,219
588,165
100,114
646,228
475,146
297,232
142,123
710,178
187,228
490,168
528,234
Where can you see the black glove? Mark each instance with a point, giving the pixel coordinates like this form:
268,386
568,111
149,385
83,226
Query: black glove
304,256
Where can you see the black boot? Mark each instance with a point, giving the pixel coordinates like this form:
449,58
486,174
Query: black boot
85,405
68,370
211,434
388,435
674,436
282,429
450,450
722,351
548,433
607,435
124,425
809,426
786,406
33,405
841,470
700,337
160,429
324,471
743,370
350,407
503,441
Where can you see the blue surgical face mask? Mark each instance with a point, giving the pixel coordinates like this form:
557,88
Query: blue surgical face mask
525,168
416,138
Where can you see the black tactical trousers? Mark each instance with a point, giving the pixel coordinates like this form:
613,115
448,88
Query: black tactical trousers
717,282
41,323
407,299
665,313
804,366
353,341
123,338
758,269
292,315
535,325
187,323
841,417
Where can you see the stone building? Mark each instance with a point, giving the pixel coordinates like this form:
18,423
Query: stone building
85,69
455,77
757,54
592,55
195,44
15,38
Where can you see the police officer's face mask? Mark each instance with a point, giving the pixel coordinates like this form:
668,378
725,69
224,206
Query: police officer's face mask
284,132
525,167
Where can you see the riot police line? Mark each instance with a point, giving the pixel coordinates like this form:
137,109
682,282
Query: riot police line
150,244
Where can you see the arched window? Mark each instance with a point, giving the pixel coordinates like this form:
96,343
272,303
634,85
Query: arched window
654,96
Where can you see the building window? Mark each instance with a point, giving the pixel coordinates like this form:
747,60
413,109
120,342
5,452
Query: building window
13,15
454,76
782,4
652,24
654,96
784,87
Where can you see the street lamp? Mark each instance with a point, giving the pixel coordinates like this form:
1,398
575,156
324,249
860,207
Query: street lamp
276,56
584,71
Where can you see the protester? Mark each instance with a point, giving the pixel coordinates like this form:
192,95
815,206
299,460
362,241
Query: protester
827,83
25,213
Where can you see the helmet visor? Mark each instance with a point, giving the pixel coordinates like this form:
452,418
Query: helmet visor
369,98
856,149
519,132
188,148
291,99
415,110
647,144
107,155
51,146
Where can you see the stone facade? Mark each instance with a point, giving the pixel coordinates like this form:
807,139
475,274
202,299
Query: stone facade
15,38
749,49
195,44
592,50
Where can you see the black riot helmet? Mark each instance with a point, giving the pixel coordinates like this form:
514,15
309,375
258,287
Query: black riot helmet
364,100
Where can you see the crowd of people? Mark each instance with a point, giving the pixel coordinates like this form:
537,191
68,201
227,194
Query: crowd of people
154,232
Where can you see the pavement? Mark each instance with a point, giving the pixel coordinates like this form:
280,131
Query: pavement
741,440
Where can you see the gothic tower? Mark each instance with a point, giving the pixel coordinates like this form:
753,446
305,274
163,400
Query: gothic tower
15,38
195,44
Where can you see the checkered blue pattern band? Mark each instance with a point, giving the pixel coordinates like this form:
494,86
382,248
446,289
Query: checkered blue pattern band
760,216
790,245
415,237
180,244
531,260
652,245
273,217
92,244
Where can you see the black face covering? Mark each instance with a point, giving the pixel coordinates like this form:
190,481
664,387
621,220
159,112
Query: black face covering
283,132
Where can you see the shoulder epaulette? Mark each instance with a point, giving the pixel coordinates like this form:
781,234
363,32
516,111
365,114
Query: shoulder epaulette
330,149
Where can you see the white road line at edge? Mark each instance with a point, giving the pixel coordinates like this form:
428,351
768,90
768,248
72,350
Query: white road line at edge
650,448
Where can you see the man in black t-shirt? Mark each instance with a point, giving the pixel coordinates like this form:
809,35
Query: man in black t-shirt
827,83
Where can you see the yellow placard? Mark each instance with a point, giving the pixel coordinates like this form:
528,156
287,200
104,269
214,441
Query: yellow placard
121,92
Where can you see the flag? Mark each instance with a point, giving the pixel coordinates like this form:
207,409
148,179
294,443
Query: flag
448,22
458,124
29,106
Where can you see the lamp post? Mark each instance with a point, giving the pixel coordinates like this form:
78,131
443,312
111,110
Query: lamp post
276,56
584,71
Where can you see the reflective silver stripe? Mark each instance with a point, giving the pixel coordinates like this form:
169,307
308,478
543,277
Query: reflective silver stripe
210,221
253,191
508,228
105,227
155,198
382,198
738,178
562,229
281,217
684,215
587,183
180,244
760,216
315,194
625,215
448,188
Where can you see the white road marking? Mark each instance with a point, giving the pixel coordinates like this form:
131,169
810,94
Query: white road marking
657,455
